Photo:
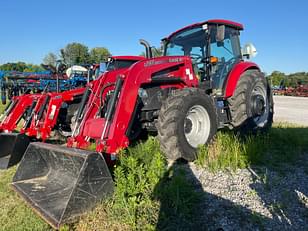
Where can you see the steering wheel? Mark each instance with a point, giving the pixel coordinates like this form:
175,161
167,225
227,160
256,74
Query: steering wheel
196,58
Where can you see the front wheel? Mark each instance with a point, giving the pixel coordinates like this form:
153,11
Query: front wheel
186,120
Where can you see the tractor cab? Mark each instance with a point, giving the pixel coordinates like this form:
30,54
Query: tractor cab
213,46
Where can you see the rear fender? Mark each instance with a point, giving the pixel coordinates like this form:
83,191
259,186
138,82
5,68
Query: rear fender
235,74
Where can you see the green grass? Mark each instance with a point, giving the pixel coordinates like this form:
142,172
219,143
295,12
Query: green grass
150,196
2,107
284,144
15,215
143,185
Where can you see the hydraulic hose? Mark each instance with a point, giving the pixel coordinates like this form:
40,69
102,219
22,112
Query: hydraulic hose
43,107
83,104
112,104
31,113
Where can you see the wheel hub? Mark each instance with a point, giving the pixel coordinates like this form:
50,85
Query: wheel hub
187,126
258,105
197,126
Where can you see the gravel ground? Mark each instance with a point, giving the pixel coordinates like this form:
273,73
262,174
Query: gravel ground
256,198
252,199
291,109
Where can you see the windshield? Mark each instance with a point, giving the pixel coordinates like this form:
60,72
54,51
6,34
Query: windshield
190,42
119,64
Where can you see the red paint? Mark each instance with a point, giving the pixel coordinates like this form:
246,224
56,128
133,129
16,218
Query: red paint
9,123
100,88
128,57
138,75
235,74
94,128
48,122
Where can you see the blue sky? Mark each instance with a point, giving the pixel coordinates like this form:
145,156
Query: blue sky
30,29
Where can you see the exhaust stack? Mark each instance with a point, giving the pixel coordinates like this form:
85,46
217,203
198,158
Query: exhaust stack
148,49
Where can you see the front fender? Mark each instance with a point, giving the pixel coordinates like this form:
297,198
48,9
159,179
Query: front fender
235,74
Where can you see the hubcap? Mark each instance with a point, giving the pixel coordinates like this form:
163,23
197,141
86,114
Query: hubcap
197,126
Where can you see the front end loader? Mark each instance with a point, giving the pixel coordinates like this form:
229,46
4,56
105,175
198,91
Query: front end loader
44,116
24,121
202,83
13,144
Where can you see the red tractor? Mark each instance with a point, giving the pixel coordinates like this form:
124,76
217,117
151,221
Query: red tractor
46,116
199,85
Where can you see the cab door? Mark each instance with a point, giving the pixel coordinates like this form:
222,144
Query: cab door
227,51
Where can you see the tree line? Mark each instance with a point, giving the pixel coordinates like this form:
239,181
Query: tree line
80,54
72,54
278,78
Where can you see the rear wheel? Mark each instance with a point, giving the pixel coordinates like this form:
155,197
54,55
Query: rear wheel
186,120
251,105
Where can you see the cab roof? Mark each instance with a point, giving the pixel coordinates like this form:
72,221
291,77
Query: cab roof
235,25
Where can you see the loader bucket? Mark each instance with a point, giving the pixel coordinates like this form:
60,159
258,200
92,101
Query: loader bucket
12,148
61,183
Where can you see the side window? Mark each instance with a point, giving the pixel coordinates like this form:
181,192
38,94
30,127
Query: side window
228,53
197,54
223,50
174,50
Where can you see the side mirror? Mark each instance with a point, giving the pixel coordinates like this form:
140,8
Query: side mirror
220,34
249,51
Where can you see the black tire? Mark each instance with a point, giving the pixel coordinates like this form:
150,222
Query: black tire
251,105
173,119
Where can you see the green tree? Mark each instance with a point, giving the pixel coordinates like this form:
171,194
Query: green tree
99,54
33,68
19,66
75,53
290,80
50,59
277,77
156,52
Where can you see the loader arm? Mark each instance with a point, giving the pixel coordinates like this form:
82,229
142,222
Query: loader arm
29,127
177,73
99,91
20,105
50,118
92,110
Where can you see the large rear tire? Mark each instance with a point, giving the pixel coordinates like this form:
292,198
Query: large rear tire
186,120
251,105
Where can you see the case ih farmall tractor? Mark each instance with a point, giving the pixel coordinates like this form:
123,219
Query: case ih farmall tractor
199,85
46,116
